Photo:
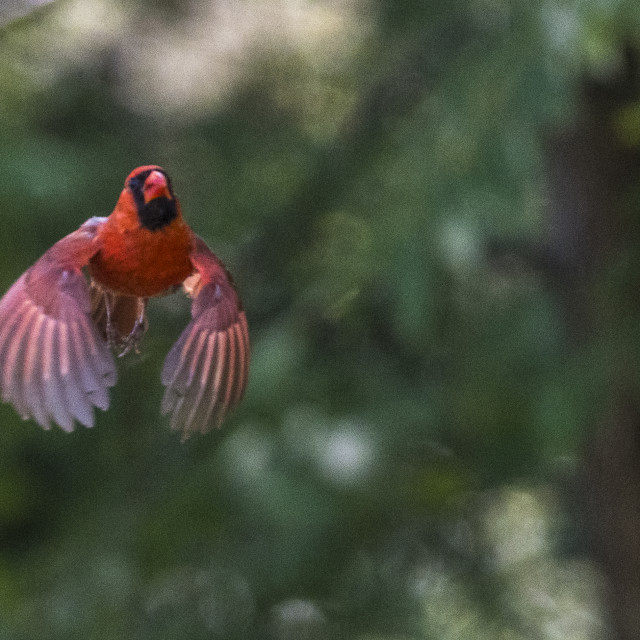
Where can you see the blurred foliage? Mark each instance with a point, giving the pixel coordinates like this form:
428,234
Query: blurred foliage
397,468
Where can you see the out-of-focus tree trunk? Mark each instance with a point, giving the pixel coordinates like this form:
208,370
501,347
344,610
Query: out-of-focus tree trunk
591,173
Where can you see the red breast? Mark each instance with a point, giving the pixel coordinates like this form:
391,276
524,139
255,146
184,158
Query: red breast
144,244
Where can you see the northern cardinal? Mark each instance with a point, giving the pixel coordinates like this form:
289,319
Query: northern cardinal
56,328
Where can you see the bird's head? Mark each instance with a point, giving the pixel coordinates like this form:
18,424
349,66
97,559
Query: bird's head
153,197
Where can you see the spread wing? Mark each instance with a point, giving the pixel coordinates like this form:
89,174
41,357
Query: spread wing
206,371
53,364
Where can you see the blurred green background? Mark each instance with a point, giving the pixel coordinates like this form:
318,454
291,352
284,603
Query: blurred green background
430,208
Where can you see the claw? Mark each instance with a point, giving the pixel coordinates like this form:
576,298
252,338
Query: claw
132,341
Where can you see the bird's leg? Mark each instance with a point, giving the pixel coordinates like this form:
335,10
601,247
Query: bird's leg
132,341
113,339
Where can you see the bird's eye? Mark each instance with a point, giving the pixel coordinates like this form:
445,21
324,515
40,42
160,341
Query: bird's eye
134,183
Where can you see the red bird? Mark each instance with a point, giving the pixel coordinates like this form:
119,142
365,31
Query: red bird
56,328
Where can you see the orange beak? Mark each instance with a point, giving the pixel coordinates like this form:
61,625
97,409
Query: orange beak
155,186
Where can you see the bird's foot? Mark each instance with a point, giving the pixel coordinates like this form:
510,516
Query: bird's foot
133,340
115,339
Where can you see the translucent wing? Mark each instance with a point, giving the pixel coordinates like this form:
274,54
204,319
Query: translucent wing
206,371
53,364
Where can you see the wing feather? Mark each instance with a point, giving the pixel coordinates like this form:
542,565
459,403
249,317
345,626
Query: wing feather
89,376
207,361
206,371
54,366
32,377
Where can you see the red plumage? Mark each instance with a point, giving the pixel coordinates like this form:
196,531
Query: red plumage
56,328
